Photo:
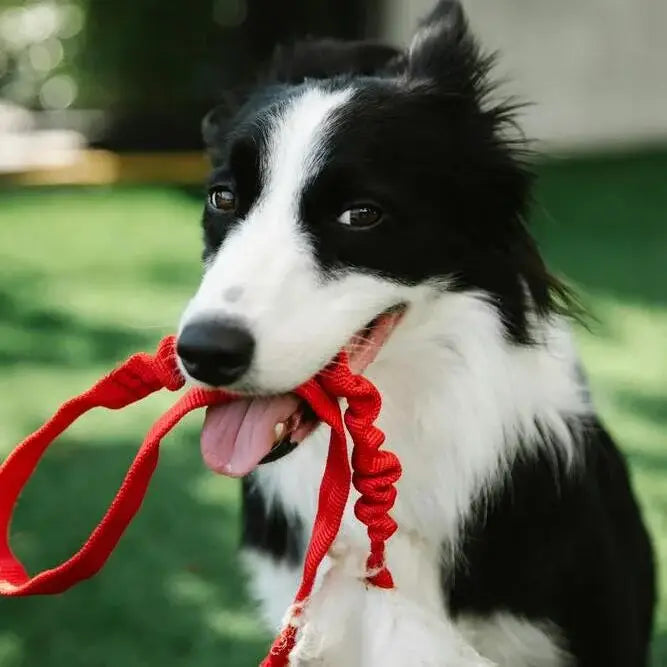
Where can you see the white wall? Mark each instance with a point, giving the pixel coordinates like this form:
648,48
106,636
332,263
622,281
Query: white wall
595,69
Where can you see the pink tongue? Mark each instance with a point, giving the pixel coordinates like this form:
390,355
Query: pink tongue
236,436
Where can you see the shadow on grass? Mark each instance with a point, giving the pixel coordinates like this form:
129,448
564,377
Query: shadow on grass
601,222
650,409
660,650
653,408
171,594
38,334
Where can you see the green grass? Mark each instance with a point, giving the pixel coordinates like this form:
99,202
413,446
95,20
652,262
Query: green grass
89,276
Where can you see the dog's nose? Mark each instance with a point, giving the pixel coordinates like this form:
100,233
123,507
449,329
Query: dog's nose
216,352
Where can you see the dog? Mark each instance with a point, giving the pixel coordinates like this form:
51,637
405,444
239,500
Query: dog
374,200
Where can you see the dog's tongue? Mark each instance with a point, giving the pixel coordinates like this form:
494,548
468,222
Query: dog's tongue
236,436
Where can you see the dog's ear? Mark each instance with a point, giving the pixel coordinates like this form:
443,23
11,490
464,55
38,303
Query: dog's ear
213,128
215,125
443,49
326,58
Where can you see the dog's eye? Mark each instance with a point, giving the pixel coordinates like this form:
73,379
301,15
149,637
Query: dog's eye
361,216
222,199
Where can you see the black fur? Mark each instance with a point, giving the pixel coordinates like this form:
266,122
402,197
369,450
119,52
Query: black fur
268,530
564,548
418,152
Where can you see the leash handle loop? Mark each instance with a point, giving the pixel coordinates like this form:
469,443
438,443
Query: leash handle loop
140,376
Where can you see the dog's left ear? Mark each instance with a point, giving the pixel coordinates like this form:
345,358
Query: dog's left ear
215,125
442,49
212,126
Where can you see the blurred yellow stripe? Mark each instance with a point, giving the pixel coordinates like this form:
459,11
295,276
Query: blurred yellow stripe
99,167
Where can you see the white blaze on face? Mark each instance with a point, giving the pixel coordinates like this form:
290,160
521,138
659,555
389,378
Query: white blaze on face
299,320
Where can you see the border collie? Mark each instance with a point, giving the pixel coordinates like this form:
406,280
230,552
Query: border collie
375,200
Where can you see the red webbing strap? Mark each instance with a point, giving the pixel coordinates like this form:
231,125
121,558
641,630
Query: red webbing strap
375,473
333,495
138,377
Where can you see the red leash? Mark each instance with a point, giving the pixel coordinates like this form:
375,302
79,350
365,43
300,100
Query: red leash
374,474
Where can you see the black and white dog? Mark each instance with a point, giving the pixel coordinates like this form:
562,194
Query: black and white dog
375,200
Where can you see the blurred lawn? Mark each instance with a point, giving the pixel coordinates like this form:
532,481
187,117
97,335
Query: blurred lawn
88,276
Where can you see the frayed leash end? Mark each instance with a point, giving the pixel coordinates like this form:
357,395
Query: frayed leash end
328,631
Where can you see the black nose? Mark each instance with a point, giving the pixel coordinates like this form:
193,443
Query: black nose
216,352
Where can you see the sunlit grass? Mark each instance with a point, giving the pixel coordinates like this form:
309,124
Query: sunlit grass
89,276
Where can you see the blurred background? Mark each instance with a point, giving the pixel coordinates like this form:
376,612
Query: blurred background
101,174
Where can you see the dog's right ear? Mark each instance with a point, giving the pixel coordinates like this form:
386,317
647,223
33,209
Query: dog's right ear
326,58
442,49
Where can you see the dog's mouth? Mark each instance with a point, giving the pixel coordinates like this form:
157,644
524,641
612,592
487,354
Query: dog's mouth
239,436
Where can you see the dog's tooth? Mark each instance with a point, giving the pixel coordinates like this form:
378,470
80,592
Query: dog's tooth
279,431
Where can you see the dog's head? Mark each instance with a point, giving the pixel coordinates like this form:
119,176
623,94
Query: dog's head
352,185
